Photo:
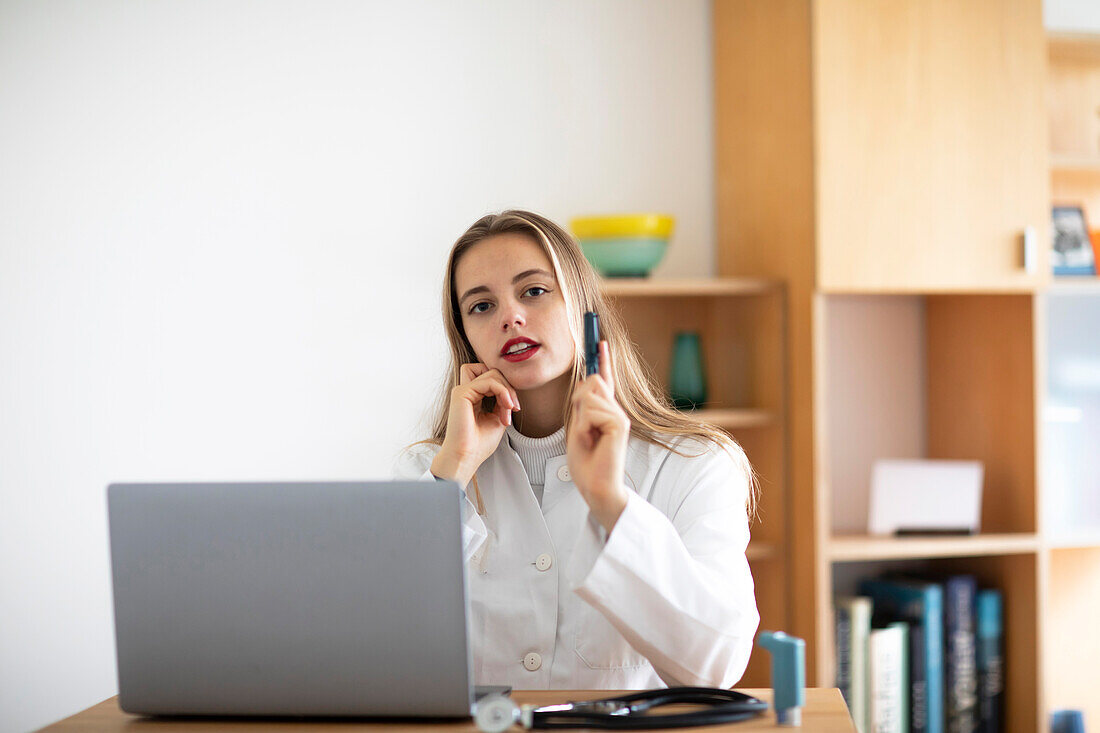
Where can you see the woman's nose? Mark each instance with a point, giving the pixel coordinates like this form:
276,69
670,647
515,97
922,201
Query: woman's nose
513,317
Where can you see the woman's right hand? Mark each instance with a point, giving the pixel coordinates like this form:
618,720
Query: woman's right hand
473,435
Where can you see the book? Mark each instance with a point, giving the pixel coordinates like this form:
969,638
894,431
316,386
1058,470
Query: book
853,627
842,627
919,603
960,662
918,681
887,650
990,661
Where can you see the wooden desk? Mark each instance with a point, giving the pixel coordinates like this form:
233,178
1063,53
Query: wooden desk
824,711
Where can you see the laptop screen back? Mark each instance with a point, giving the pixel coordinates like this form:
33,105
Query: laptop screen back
290,598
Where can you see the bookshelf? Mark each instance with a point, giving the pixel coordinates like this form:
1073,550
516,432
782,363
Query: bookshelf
742,327
911,332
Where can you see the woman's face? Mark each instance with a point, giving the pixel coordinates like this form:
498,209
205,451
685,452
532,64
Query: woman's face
508,299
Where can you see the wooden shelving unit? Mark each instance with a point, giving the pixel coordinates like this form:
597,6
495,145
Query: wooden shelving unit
889,174
1070,556
892,194
742,327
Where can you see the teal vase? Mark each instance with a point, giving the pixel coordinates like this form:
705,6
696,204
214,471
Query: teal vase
687,381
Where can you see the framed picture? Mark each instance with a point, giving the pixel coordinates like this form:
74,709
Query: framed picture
1073,253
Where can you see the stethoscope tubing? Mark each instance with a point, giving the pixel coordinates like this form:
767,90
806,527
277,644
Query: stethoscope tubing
724,706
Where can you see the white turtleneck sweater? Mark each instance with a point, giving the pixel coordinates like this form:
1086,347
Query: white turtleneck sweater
534,453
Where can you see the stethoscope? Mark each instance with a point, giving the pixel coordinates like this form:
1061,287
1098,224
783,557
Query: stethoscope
497,713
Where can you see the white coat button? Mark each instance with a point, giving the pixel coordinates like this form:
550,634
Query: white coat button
544,561
563,473
532,661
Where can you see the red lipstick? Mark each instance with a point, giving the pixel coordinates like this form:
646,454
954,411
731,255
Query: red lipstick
526,353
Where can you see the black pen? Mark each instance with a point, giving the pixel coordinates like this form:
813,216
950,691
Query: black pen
591,344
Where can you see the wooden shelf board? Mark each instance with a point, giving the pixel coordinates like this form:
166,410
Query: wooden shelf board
994,289
734,417
1078,539
849,548
762,551
1060,162
635,287
1069,284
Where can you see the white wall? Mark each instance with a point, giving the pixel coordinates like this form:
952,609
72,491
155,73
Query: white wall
222,227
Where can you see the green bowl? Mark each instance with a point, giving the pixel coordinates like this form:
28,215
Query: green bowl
624,256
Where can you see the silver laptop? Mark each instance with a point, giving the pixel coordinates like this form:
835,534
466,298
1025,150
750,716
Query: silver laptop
326,599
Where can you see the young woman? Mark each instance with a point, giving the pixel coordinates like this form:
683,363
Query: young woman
605,532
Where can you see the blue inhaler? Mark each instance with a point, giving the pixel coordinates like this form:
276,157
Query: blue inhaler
788,675
591,344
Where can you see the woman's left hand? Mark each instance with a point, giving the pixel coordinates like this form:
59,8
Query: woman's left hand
596,441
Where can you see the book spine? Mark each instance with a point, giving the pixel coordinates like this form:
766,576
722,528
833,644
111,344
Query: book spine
933,657
990,661
858,611
903,686
843,629
887,679
918,680
962,670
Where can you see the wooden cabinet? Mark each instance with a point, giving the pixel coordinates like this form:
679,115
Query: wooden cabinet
742,327
931,143
883,159
909,136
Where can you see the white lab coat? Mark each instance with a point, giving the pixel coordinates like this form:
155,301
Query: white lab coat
666,599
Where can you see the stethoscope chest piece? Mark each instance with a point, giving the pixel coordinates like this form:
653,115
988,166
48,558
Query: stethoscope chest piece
496,714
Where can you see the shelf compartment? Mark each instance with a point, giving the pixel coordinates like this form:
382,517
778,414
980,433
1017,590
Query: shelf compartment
1070,650
1073,89
741,337
936,377
1016,576
859,548
1071,419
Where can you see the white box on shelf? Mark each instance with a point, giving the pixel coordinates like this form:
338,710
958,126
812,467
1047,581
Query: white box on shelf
934,496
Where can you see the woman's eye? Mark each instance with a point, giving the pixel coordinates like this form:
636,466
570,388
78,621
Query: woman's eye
476,306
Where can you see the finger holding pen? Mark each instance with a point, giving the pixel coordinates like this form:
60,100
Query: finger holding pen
596,443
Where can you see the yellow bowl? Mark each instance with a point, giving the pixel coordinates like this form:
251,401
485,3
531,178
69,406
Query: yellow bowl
623,225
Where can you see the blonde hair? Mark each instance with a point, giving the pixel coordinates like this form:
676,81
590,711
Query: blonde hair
653,418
